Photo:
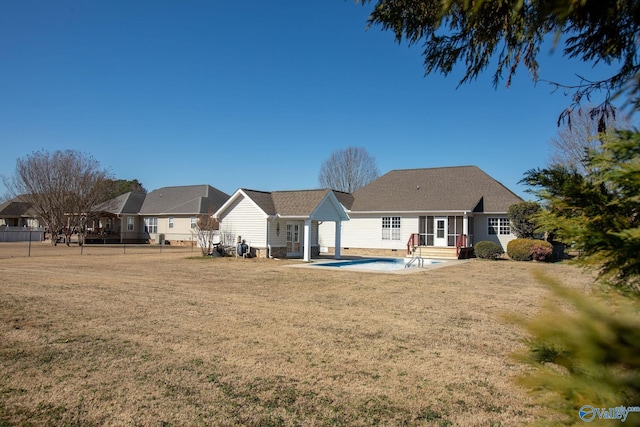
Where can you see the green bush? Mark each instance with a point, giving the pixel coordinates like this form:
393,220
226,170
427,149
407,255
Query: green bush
487,250
520,249
528,249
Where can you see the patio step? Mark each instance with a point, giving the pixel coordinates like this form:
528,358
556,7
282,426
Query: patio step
434,252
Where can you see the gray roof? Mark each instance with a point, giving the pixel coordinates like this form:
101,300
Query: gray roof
459,188
346,199
127,203
300,203
183,200
263,199
16,208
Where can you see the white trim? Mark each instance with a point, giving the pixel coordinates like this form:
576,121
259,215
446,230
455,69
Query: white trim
388,213
336,205
239,192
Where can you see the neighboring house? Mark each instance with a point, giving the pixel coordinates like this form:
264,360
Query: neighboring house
19,222
16,213
424,209
117,221
282,224
170,214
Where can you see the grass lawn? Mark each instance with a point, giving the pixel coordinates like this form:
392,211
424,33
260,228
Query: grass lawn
173,339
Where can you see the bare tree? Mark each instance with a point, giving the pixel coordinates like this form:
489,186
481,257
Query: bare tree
206,233
581,133
63,187
348,170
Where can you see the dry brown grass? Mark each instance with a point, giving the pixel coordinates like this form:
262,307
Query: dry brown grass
173,339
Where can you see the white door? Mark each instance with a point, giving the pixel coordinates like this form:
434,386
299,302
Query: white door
294,248
440,231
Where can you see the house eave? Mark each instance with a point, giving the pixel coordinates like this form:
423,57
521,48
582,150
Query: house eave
414,212
293,217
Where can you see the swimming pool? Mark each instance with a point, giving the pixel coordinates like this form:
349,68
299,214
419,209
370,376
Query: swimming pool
377,264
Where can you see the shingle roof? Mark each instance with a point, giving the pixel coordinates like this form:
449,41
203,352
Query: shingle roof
263,199
15,208
183,200
297,203
459,188
345,198
300,203
128,203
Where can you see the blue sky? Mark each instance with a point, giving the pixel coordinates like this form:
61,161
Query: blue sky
252,94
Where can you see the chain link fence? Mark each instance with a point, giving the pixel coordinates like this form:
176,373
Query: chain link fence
35,242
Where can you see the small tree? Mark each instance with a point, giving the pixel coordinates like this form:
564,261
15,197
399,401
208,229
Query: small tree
63,188
206,233
348,170
521,217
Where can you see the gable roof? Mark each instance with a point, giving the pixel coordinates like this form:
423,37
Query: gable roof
458,188
183,200
16,208
346,199
298,203
291,204
262,199
127,203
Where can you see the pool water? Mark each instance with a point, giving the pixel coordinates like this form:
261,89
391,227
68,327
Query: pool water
376,264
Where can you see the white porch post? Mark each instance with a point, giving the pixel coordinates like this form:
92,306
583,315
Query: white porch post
338,238
307,240
465,227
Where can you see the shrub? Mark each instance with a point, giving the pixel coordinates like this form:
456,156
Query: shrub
528,249
487,250
520,249
542,251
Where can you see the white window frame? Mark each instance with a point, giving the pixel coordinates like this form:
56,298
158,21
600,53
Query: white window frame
151,225
171,221
498,226
194,222
130,223
391,226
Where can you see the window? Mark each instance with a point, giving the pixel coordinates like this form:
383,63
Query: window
130,224
390,228
454,230
170,222
499,226
194,222
151,225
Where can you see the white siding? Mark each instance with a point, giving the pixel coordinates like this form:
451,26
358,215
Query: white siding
244,218
327,211
365,232
278,239
326,233
481,231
